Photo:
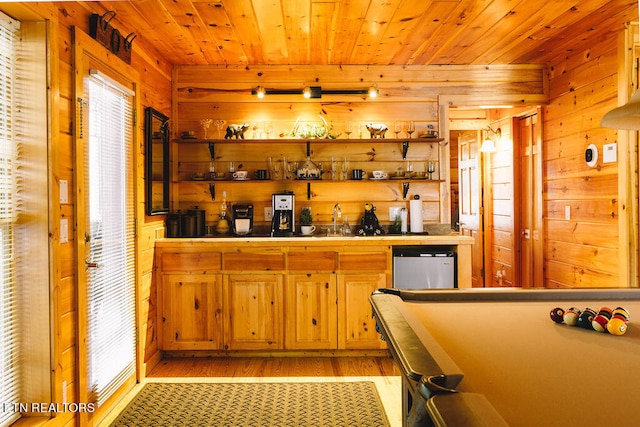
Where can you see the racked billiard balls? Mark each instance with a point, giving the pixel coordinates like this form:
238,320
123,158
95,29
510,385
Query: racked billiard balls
557,315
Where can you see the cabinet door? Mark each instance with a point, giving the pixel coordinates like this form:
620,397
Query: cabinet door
254,318
312,312
356,325
192,311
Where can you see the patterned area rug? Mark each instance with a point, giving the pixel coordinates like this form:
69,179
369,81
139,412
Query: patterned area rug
255,404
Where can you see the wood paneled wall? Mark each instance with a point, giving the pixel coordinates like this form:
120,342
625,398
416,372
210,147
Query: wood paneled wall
585,250
156,92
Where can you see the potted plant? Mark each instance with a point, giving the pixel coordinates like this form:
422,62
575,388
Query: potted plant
306,221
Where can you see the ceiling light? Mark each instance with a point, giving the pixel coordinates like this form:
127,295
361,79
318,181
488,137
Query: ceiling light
260,92
306,92
373,91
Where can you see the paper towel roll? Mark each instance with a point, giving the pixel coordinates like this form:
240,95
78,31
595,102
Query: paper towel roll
415,216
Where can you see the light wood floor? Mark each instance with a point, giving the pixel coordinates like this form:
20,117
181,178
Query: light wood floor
275,367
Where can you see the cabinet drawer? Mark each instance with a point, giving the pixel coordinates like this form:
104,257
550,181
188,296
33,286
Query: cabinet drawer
254,261
192,261
363,261
312,261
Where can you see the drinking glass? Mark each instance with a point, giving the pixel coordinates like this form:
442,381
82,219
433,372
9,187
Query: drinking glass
397,128
334,169
275,169
345,168
219,125
205,123
431,168
411,127
268,129
347,129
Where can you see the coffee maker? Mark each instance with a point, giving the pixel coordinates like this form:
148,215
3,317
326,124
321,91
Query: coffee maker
242,218
283,209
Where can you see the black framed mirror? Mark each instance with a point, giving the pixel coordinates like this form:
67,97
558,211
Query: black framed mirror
156,126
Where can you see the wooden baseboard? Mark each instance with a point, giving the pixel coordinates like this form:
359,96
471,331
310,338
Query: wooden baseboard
287,353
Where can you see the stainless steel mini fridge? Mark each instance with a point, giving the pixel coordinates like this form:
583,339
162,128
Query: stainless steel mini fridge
424,267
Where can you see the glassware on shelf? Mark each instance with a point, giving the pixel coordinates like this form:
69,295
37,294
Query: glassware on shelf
334,169
205,123
268,129
397,128
274,167
291,168
219,125
411,127
431,168
347,129
345,168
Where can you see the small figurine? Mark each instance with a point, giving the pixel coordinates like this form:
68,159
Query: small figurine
377,130
236,131
369,225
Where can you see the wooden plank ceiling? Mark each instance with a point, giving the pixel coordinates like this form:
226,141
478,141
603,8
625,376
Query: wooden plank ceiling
370,32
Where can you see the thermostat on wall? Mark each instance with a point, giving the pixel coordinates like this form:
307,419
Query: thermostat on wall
591,155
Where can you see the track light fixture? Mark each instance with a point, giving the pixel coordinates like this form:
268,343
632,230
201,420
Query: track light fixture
315,91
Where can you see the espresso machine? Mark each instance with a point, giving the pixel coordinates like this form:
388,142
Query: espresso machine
242,218
283,208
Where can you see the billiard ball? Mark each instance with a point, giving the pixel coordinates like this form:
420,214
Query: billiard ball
606,311
571,316
617,326
557,315
622,312
585,318
599,323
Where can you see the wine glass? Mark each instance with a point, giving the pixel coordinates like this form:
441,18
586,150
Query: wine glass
275,169
411,128
345,168
397,128
205,123
334,169
347,129
219,125
292,168
268,129
431,168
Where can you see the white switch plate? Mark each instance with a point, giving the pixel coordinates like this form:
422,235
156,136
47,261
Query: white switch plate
567,212
609,153
268,214
64,230
64,191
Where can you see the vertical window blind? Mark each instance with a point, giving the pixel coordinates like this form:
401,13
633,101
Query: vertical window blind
110,218
9,331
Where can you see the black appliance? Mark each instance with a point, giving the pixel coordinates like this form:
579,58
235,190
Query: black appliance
242,218
283,209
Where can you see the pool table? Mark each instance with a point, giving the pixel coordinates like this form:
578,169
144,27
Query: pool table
494,356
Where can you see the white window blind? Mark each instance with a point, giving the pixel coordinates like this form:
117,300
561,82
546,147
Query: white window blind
9,331
110,218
